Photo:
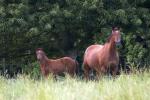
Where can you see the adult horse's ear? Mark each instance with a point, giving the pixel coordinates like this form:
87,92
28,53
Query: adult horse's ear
115,28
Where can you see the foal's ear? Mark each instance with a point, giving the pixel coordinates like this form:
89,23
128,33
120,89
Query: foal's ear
39,49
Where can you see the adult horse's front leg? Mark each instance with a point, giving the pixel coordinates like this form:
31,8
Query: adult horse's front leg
101,71
99,75
114,70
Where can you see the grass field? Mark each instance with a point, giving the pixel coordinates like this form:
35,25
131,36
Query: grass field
124,87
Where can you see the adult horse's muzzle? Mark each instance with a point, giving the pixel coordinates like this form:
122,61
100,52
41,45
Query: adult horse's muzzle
118,43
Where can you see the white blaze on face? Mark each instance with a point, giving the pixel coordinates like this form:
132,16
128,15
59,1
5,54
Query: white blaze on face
117,31
117,35
39,55
118,39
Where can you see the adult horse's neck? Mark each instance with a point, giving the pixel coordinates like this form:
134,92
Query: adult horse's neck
110,46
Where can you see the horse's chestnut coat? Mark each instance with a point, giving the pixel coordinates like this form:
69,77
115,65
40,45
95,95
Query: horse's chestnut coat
103,58
55,66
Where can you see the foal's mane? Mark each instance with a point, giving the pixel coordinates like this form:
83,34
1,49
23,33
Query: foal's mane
41,49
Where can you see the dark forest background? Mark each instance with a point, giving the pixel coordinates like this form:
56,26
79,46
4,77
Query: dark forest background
67,27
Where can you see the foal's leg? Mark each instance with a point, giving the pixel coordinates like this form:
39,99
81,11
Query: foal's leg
72,73
70,69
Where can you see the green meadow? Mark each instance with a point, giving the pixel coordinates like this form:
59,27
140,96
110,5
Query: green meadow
124,87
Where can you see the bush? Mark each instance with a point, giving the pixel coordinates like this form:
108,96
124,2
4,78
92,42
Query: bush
134,50
33,69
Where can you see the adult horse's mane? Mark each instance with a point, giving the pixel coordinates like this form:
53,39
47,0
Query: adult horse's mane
108,39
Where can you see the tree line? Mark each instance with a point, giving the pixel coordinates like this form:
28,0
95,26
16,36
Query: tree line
62,27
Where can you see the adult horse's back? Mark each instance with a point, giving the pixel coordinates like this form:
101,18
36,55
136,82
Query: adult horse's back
103,58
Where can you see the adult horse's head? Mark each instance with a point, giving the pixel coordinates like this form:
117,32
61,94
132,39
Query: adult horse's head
116,35
40,53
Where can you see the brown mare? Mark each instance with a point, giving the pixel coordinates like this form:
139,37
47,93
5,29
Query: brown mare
103,58
55,66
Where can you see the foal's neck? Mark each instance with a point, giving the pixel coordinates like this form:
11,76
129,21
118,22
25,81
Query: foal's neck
44,61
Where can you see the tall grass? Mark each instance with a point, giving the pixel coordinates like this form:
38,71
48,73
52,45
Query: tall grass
124,87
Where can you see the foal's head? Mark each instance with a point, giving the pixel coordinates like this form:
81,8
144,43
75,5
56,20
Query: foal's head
40,53
115,35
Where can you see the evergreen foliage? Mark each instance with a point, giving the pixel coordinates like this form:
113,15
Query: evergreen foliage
61,26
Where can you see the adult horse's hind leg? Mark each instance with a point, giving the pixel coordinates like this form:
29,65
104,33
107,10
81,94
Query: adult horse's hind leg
86,70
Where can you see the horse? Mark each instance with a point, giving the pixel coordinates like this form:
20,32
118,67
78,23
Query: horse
103,58
56,66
